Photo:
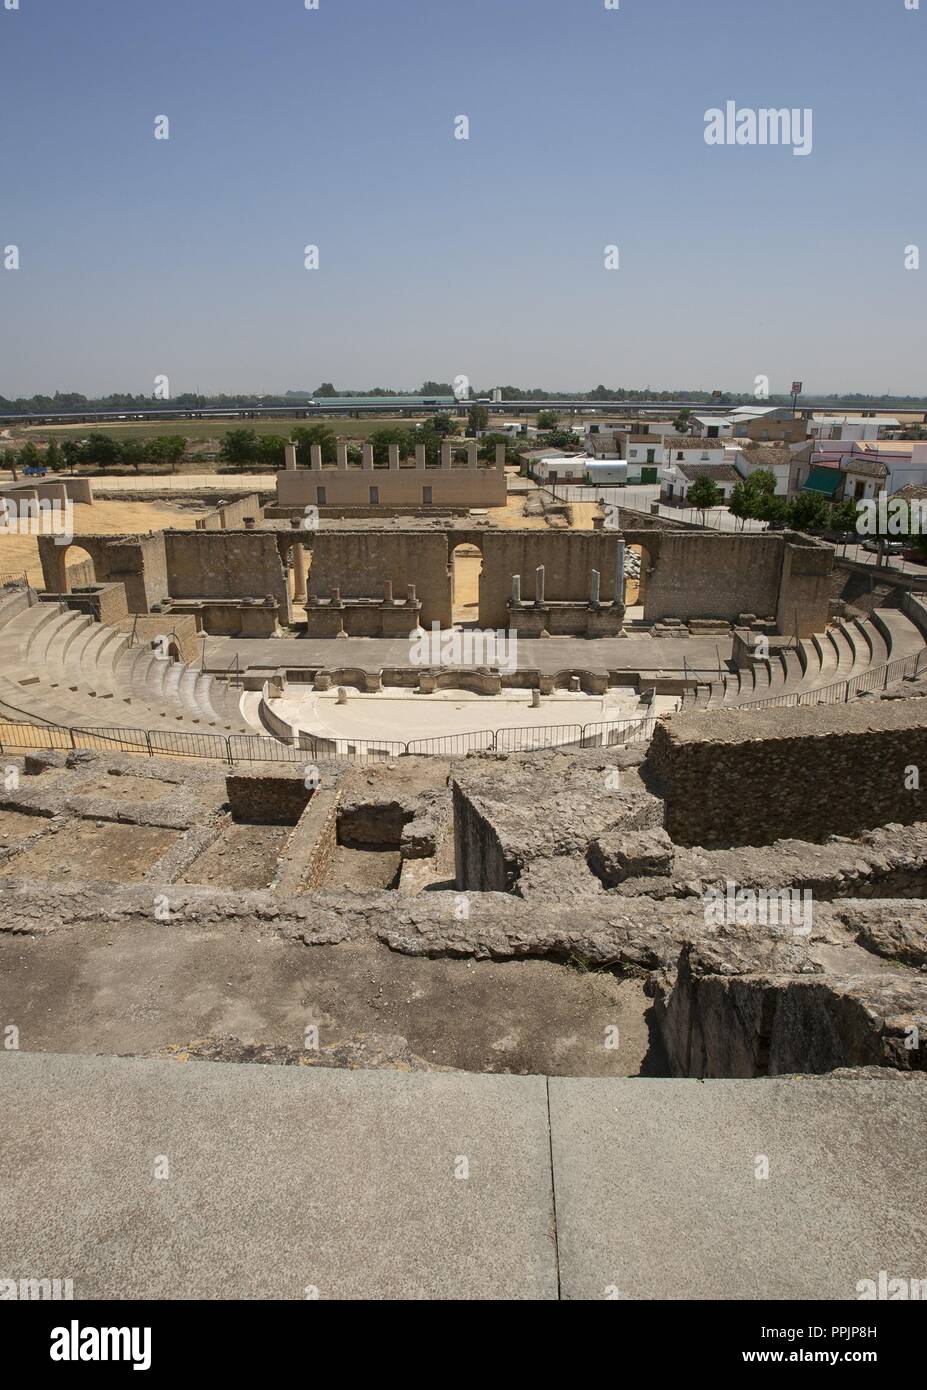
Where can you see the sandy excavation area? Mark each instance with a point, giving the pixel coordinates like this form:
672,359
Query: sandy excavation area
20,554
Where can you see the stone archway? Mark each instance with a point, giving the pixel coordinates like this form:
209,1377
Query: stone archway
76,568
466,567
637,558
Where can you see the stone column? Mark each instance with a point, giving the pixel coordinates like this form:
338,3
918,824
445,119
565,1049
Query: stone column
394,456
500,458
341,455
619,573
472,459
368,457
299,573
539,584
290,455
420,456
387,591
445,454
298,561
410,593
596,589
315,456
516,588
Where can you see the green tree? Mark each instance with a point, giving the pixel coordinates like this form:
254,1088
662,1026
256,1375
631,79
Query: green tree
304,436
762,483
326,389
487,449
741,503
102,450
769,507
29,455
548,419
168,449
704,494
844,516
429,437
74,453
681,423
239,448
443,424
135,452
560,439
380,440
54,459
808,512
477,418
271,451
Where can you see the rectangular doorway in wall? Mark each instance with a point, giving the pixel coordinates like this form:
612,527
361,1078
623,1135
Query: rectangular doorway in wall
320,496
374,494
426,496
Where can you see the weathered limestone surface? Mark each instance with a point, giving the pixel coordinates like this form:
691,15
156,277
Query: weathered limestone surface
545,808
618,856
761,1011
883,863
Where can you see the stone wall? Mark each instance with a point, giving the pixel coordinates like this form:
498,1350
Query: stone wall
230,516
804,590
226,565
359,562
568,557
308,853
704,574
267,798
138,562
742,777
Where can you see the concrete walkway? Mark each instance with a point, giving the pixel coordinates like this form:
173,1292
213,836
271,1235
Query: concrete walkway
548,654
379,1184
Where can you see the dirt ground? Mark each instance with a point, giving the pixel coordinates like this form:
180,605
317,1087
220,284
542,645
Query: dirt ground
20,554
127,789
82,850
139,990
362,868
243,856
15,827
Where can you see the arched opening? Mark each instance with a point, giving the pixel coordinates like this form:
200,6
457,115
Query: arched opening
466,568
636,566
77,569
297,567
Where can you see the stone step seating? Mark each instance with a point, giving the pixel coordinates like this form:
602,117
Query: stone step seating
846,650
61,666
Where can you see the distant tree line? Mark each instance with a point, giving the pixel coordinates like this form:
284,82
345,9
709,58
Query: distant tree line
63,401
98,450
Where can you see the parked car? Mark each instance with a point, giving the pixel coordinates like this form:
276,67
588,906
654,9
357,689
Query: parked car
887,547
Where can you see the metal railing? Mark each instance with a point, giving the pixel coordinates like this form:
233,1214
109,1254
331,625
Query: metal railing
234,749
837,693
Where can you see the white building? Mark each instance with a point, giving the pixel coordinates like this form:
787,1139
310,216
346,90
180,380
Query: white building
850,427
711,426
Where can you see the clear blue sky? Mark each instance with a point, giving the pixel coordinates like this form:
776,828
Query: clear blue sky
439,256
